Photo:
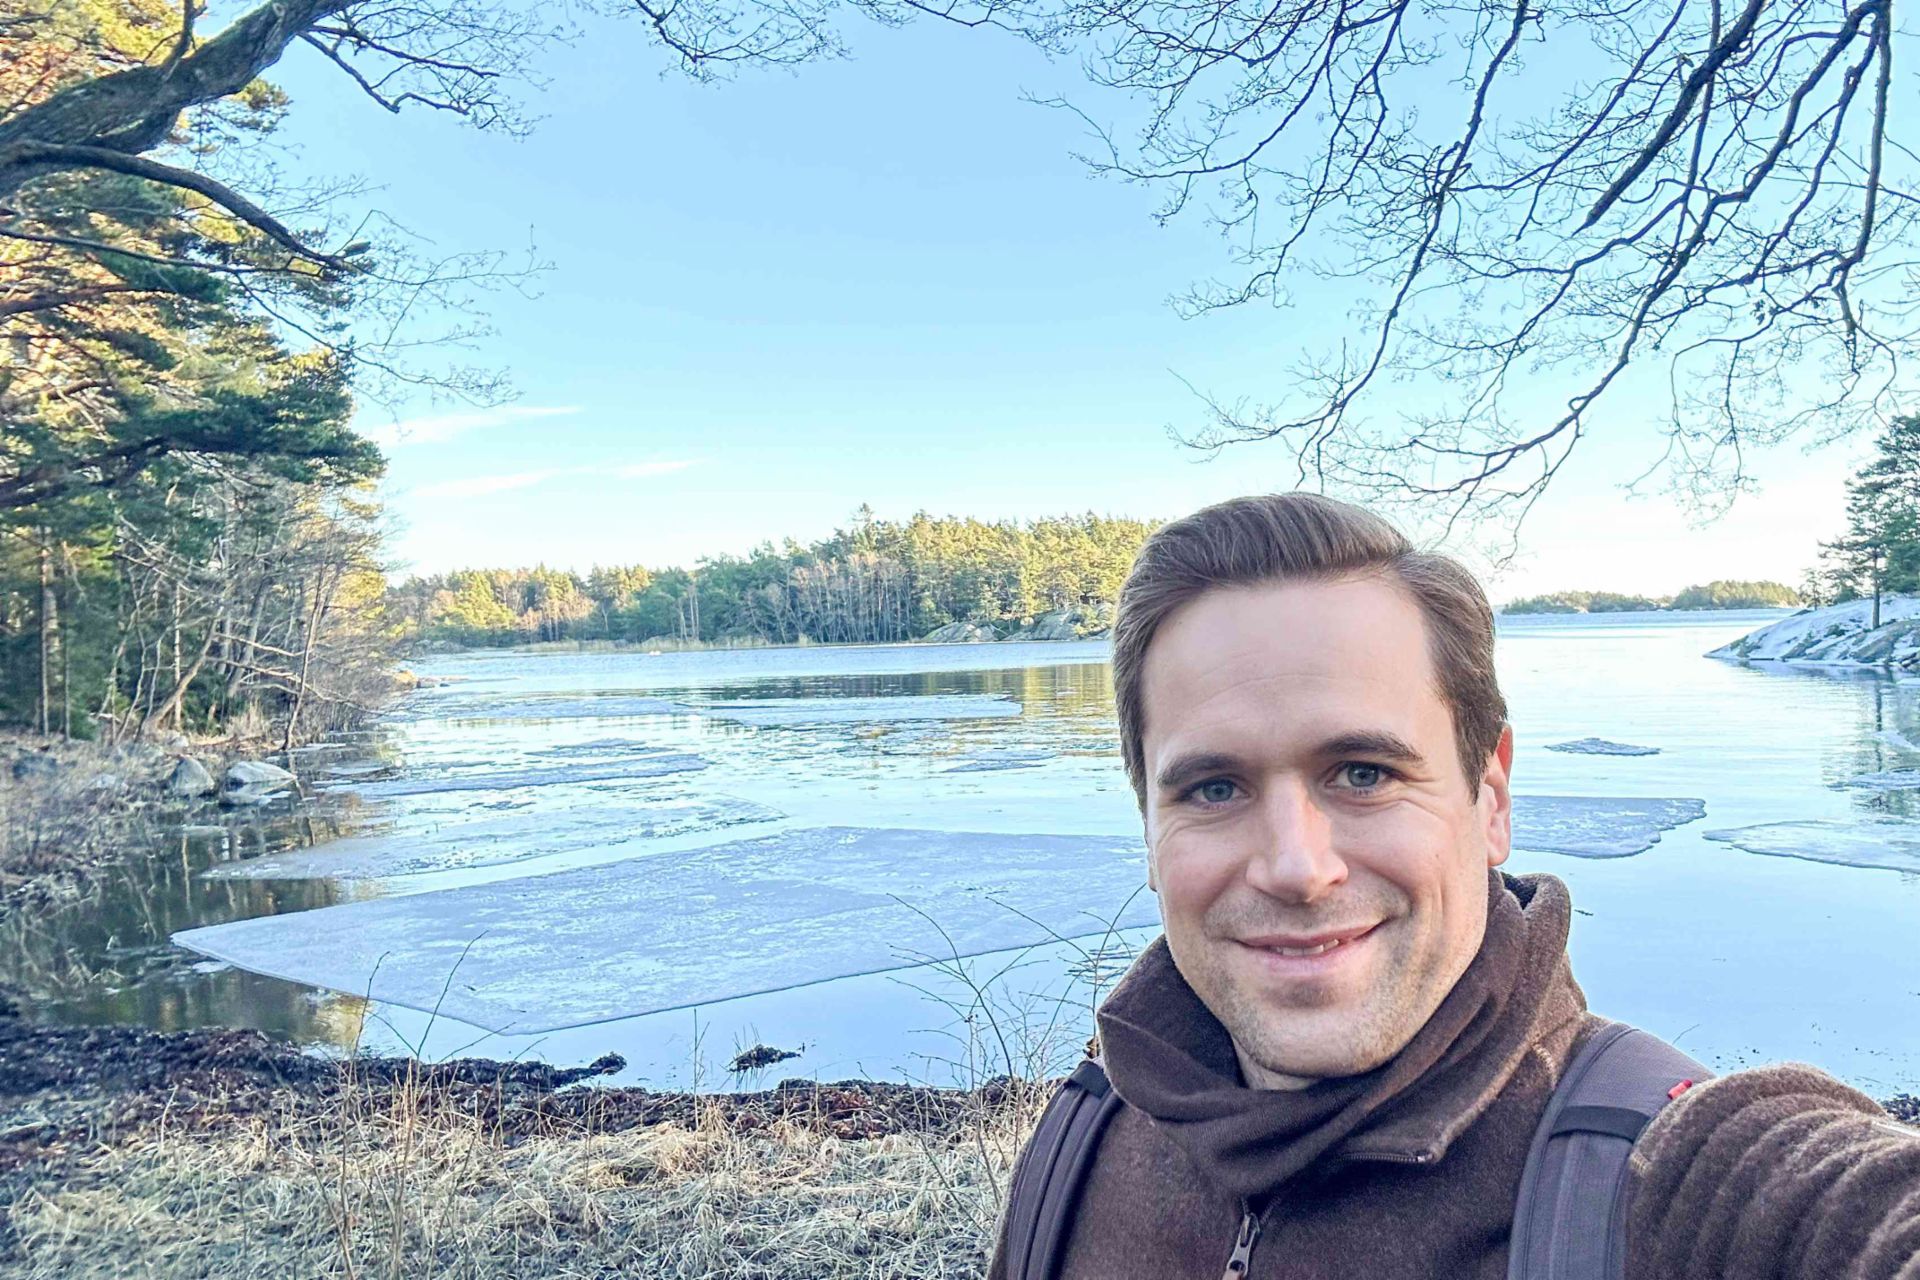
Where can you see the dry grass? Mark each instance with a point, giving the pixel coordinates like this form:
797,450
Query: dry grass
381,1185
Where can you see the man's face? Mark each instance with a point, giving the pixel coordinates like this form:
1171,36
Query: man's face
1320,858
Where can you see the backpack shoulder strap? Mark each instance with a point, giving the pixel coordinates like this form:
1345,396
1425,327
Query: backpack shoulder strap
1570,1221
1054,1168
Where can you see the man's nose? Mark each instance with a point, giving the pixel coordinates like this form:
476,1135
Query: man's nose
1294,860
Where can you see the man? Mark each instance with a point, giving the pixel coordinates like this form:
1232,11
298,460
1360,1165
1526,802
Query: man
1335,1060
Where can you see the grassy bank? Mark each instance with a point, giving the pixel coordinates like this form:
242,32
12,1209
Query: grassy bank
125,1152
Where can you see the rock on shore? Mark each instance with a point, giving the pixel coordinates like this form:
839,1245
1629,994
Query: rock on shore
1084,622
1838,635
190,780
959,633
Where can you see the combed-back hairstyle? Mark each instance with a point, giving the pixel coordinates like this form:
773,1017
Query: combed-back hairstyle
1303,537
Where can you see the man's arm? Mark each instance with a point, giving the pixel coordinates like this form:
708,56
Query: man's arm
1781,1173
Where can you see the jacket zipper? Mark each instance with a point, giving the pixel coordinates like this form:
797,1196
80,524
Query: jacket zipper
1243,1246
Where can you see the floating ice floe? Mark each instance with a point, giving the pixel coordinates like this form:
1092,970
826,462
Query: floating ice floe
1885,780
494,842
1597,826
1602,747
650,766
995,761
671,930
788,711
1888,842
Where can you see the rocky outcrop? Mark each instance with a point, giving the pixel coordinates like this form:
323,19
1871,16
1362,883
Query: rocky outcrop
959,633
1083,622
1838,635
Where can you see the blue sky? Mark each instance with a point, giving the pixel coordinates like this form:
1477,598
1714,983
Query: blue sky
885,280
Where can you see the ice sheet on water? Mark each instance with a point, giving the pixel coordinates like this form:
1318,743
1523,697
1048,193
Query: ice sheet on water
676,929
657,765
493,842
1602,747
1010,758
498,707
787,711
598,749
1597,826
1885,780
1890,842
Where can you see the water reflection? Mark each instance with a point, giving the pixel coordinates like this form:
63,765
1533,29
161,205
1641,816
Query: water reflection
106,958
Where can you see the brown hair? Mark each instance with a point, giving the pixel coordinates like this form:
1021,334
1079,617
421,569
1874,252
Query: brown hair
1302,537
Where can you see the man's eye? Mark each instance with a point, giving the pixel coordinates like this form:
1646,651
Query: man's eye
1214,791
1362,777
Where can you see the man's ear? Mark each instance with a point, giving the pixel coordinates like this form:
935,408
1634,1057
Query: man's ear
1496,799
1153,860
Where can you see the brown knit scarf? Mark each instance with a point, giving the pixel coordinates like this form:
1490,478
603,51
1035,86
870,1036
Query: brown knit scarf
1169,1057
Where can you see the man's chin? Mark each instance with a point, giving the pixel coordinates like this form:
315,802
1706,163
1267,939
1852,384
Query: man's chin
1298,1065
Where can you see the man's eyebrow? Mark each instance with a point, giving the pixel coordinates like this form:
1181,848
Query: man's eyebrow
1373,742
1196,764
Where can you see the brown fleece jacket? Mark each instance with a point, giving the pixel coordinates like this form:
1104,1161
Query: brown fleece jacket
1411,1170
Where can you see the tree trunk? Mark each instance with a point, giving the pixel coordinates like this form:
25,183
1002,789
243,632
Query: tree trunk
170,709
48,624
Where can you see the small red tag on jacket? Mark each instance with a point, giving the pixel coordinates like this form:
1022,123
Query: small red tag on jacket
1679,1089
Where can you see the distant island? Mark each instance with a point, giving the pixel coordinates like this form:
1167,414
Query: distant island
943,580
1722,593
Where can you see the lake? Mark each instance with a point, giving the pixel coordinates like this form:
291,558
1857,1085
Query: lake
923,862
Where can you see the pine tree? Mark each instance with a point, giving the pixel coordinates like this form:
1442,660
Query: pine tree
1880,551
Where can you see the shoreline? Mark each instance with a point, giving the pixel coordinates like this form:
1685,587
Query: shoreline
126,1151
541,647
64,1089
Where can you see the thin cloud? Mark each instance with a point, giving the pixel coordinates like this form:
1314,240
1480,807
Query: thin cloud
441,428
640,470
476,486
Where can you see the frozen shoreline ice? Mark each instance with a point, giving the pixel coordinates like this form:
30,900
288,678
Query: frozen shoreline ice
671,930
648,766
493,842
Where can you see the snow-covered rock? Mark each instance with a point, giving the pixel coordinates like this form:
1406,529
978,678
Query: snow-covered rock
1841,634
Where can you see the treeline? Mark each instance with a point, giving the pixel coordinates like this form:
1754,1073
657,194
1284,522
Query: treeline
875,582
1722,593
185,538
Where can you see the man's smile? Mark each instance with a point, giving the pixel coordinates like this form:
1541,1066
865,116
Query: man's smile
1304,955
